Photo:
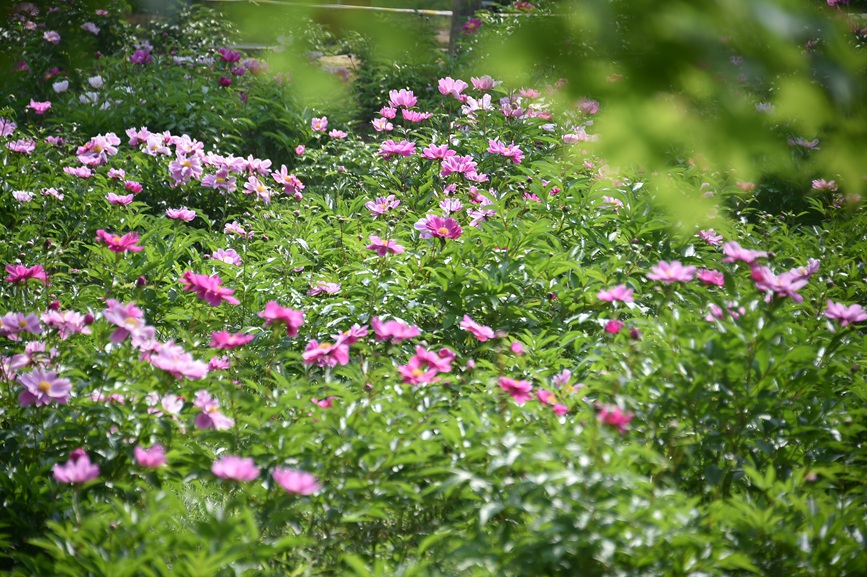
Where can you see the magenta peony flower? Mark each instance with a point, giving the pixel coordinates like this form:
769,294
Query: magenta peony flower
120,244
39,107
615,417
326,354
296,482
710,236
712,277
382,204
77,470
21,273
435,226
114,199
210,418
614,326
734,253
208,288
274,313
235,468
518,390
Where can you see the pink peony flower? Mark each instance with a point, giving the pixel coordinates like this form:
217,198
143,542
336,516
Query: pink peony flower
846,314
208,288
449,86
127,317
39,107
614,416
614,326
384,247
319,124
120,244
326,354
435,226
78,469
323,287
382,204
21,273
152,458
183,213
734,253
786,284
471,26
52,36
210,418
388,112
484,83
274,313
441,152
822,184
226,341
713,277
114,199
235,468
618,293
481,332
401,98
296,482
176,361
42,388
413,116
394,330
338,134
228,256
23,146
517,348
7,127
510,151
710,237
390,148
671,272
382,125
518,390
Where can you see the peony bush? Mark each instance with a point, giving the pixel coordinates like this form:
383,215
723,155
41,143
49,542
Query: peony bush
451,340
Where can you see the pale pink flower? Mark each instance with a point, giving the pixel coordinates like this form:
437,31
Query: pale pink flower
275,313
338,134
672,272
517,348
22,196
78,469
228,256
323,287
173,359
481,332
319,124
52,36
413,116
152,458
845,314
183,213
388,112
119,200
402,98
67,323
382,205
127,317
299,150
710,236
511,151
449,86
518,390
234,468
11,324
296,482
786,284
618,293
24,147
382,124
484,83
822,184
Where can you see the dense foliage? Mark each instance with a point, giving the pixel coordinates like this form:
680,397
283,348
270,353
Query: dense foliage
246,333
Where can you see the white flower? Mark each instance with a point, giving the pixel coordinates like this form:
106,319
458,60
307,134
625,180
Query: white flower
96,81
60,86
